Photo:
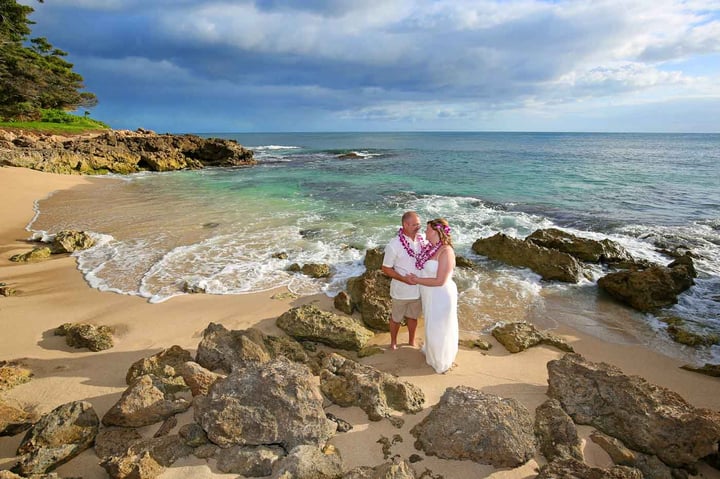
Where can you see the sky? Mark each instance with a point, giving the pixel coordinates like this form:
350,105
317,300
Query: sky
386,65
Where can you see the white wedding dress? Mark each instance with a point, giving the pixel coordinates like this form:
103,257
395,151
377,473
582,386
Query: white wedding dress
439,305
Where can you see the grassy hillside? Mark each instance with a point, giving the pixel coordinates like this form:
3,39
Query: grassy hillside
57,122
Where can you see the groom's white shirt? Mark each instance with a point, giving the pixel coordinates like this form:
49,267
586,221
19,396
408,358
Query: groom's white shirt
397,258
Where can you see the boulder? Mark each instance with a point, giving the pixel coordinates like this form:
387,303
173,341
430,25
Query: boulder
147,400
228,350
649,289
309,462
13,420
146,458
649,465
60,435
13,374
82,335
250,461
276,403
548,263
584,249
389,470
349,383
569,468
708,369
519,336
556,432
373,259
37,254
309,323
114,441
6,290
370,294
163,364
193,435
469,424
645,417
342,302
198,379
67,241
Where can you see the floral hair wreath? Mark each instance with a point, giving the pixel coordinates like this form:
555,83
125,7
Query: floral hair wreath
442,227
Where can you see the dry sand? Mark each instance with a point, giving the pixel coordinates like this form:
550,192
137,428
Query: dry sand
53,292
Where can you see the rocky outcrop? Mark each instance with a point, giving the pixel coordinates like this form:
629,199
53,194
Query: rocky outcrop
309,323
370,295
313,270
556,432
647,418
13,420
164,364
147,400
548,263
649,465
519,336
145,458
569,468
469,424
120,152
389,470
59,436
228,350
275,403
309,462
373,259
349,383
584,249
652,288
83,335
12,374
250,461
65,241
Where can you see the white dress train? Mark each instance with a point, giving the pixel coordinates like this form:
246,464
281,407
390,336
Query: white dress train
441,324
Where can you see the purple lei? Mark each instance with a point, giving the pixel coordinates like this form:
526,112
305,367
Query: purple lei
427,250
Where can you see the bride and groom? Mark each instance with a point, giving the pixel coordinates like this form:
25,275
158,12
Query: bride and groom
421,269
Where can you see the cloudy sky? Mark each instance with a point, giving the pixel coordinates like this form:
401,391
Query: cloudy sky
394,65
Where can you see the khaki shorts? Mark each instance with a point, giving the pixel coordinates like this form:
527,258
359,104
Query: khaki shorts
405,308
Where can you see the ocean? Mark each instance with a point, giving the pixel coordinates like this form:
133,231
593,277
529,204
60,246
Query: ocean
327,197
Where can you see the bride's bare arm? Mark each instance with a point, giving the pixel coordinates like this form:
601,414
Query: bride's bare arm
446,263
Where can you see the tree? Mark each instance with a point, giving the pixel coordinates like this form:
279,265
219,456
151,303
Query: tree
34,76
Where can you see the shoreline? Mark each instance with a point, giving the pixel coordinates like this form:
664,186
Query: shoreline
54,292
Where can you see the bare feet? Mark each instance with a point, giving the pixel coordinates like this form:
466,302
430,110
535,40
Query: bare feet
454,365
393,346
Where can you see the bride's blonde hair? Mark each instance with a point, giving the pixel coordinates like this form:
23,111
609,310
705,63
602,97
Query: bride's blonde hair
443,228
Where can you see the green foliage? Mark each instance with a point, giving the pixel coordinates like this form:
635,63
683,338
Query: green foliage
34,77
57,121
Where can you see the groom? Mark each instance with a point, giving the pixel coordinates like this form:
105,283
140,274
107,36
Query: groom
398,262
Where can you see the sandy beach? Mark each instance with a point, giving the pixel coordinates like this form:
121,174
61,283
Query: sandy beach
54,292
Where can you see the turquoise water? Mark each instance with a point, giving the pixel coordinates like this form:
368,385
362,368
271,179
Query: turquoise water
328,197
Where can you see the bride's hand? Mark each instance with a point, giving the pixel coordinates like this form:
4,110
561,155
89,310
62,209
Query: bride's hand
411,279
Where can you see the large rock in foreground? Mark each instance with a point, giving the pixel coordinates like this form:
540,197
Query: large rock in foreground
310,323
370,294
120,152
548,263
469,424
276,403
645,417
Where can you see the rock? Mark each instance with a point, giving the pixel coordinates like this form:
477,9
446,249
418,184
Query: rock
309,323
59,436
573,469
685,260
250,461
125,152
584,249
313,270
548,263
682,335
708,368
370,351
374,258
309,462
463,262
342,425
645,417
167,426
193,435
146,459
198,379
13,374
163,364
649,289
37,254
82,335
147,400
650,466
519,336
556,432
475,343
6,290
114,441
349,383
370,293
280,255
388,470
13,420
342,302
276,403
67,241
469,424
228,350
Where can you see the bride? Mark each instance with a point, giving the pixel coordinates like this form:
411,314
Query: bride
439,296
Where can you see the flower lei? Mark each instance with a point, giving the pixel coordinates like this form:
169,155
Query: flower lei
427,250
